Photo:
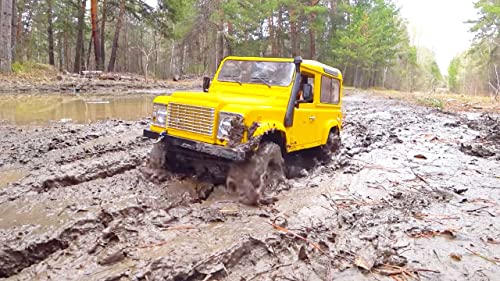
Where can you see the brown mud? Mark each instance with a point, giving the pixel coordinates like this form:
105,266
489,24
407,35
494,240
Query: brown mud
405,198
109,83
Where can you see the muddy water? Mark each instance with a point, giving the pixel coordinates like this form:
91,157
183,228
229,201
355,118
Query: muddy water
41,109
10,176
402,199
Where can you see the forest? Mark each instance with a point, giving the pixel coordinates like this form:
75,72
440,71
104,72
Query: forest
368,40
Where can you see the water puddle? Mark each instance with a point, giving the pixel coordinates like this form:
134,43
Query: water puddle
10,176
36,109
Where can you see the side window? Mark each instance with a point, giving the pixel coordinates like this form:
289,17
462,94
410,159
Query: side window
335,91
326,89
330,90
306,78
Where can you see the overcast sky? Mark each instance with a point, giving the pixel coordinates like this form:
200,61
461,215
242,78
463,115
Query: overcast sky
436,24
439,25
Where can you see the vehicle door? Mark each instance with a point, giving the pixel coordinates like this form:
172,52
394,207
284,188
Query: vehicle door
304,130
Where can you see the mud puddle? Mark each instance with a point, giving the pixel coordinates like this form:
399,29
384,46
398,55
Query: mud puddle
11,176
401,201
41,109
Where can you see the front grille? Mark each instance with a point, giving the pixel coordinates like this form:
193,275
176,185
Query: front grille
191,118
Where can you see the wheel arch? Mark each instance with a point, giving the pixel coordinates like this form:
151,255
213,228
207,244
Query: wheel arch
329,126
272,131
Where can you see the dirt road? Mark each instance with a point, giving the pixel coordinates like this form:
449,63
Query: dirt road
415,193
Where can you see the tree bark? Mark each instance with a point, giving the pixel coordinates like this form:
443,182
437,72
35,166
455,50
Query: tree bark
13,39
79,39
66,51
60,53
95,34
6,36
112,58
312,37
50,32
103,33
294,36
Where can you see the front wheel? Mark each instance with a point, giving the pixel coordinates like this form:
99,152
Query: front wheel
262,172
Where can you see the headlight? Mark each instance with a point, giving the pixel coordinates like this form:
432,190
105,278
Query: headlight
225,124
159,115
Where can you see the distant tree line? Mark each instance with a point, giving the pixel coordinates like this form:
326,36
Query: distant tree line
366,39
477,70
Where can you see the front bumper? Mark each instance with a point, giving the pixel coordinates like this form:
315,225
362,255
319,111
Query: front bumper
232,154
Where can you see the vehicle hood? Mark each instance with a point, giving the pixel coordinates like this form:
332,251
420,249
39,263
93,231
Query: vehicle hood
222,100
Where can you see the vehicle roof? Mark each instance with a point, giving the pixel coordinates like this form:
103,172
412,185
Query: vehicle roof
311,64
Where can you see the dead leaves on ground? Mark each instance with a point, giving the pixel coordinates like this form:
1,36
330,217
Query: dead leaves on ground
416,232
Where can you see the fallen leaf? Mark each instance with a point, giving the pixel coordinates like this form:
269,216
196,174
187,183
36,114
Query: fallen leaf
456,257
365,258
420,156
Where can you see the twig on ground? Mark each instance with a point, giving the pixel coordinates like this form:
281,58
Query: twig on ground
493,260
179,227
269,270
477,209
284,230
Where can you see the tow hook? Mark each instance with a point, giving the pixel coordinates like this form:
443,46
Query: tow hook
160,138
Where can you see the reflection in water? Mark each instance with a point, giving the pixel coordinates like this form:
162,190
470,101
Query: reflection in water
32,109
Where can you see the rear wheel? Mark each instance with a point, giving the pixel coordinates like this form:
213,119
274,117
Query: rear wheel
261,173
332,145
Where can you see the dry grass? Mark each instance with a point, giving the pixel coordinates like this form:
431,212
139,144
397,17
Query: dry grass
448,101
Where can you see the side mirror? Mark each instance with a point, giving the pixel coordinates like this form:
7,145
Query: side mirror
206,83
307,92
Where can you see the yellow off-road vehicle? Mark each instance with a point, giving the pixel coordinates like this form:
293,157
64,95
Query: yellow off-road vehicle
254,113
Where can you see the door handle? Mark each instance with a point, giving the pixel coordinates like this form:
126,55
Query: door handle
312,118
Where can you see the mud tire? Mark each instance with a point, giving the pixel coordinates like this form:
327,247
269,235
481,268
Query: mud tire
331,147
252,179
158,156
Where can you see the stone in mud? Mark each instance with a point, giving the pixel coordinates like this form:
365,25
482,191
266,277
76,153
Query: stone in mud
112,258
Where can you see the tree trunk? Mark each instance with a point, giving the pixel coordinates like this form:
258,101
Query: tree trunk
50,33
279,34
60,53
112,58
5,35
294,36
79,39
103,34
312,37
13,39
90,50
272,36
95,34
66,54
220,43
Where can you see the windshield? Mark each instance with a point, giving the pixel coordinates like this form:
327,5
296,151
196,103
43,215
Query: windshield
257,72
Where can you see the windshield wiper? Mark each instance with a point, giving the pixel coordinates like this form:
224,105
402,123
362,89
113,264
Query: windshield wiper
263,81
232,79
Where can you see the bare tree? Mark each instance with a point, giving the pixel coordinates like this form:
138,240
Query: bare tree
5,35
95,35
79,54
116,38
50,32
495,88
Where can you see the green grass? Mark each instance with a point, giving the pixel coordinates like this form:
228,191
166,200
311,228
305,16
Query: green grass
431,102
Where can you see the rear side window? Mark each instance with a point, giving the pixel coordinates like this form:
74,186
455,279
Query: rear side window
330,90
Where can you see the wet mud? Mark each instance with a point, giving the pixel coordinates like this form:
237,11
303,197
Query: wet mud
404,199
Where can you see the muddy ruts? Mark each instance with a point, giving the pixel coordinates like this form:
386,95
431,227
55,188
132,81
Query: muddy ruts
76,173
13,260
